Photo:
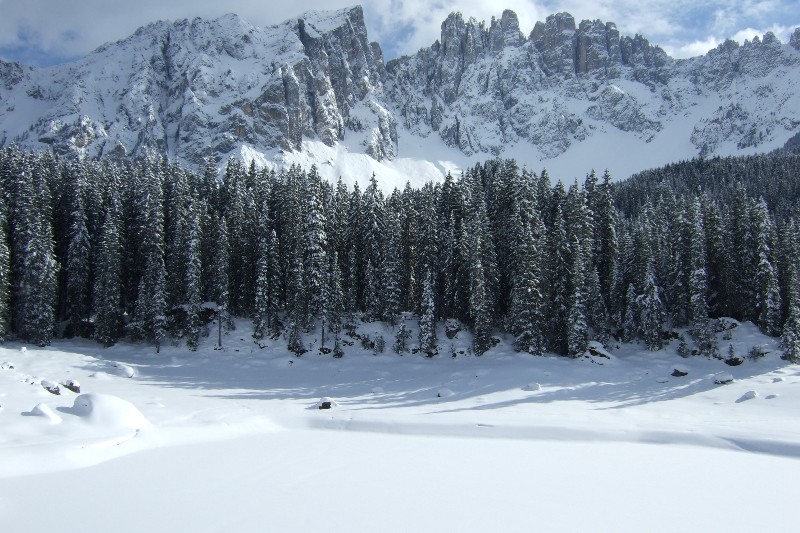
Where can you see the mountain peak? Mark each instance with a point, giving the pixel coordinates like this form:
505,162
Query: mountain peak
568,96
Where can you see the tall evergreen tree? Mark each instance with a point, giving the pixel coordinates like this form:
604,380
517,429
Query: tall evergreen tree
194,267
78,267
108,286
5,274
427,319
527,298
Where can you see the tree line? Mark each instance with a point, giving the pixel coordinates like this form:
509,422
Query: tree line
151,250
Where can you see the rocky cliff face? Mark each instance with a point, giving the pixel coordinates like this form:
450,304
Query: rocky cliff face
203,88
567,83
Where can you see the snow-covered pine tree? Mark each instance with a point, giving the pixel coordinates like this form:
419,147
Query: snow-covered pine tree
743,255
408,236
260,308
427,319
215,264
558,265
651,312
150,318
107,285
193,279
5,273
78,268
34,267
335,298
356,258
697,283
630,322
389,291
606,243
577,323
176,228
718,258
768,299
527,299
315,244
790,338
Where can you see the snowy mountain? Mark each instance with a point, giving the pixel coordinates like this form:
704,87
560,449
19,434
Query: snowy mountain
315,90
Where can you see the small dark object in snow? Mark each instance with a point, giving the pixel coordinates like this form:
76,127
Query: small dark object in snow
73,385
679,373
325,405
325,350
734,361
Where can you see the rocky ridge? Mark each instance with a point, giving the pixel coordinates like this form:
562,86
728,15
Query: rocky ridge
213,88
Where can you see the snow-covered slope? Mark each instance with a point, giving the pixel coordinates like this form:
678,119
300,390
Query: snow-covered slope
566,96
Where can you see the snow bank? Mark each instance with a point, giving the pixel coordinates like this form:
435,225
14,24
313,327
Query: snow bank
45,411
124,370
749,395
723,378
108,411
326,403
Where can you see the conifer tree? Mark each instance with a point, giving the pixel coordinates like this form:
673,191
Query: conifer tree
427,320
768,304
78,267
651,312
390,288
108,286
193,289
790,338
527,299
577,327
5,273
150,313
697,284
335,298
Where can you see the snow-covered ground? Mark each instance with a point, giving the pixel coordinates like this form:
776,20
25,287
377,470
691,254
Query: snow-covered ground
234,439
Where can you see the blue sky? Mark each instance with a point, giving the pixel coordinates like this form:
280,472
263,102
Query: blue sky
46,32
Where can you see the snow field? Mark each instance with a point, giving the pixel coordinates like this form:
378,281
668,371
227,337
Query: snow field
234,439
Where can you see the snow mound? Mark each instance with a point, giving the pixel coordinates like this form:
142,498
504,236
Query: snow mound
99,375
109,411
723,378
23,349
532,387
5,365
124,370
326,403
51,387
597,353
73,385
749,395
44,410
444,393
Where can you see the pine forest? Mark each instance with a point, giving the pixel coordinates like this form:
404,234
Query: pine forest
152,251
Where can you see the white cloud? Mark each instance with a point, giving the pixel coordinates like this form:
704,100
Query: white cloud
692,49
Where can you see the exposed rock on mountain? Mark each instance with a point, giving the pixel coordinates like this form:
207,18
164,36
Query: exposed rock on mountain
202,88
222,87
